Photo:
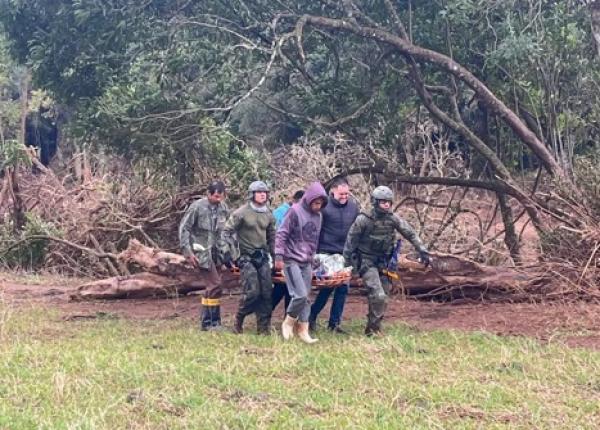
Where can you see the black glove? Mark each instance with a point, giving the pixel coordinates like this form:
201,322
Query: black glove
424,258
227,260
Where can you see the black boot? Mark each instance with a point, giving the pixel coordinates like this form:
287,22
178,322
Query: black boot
263,324
336,329
312,325
238,324
205,318
216,318
373,330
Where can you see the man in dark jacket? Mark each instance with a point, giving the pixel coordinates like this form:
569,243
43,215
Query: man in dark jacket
338,216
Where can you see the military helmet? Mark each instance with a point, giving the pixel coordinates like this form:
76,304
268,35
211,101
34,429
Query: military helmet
382,193
257,186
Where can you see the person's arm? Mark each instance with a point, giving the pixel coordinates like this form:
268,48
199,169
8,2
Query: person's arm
282,236
185,230
229,244
407,231
353,238
231,227
271,237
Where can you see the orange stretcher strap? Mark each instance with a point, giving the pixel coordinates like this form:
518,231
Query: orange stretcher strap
211,302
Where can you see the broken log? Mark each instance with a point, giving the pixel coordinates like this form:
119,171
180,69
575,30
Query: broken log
148,285
449,277
165,275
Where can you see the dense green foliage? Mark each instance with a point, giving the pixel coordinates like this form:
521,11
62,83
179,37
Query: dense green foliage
9,107
144,79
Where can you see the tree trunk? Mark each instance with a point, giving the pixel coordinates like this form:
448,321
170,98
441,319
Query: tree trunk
595,22
18,210
510,236
447,278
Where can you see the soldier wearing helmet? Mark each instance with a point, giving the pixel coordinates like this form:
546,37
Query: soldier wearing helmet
369,245
250,234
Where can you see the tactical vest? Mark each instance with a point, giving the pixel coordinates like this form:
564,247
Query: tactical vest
378,239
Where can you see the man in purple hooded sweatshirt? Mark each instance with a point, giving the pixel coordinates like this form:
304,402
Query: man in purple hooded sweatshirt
295,247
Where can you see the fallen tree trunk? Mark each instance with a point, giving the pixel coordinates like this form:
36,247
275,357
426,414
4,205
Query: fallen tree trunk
449,277
148,285
166,275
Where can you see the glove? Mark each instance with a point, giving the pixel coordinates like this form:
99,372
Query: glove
424,258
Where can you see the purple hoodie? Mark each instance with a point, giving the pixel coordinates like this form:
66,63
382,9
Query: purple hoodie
298,235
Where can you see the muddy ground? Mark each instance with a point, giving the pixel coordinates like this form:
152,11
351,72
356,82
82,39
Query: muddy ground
576,324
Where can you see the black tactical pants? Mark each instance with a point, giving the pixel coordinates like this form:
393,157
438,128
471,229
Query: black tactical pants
257,287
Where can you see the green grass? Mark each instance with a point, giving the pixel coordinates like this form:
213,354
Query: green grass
110,373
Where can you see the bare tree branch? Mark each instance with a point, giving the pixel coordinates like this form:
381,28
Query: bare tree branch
404,46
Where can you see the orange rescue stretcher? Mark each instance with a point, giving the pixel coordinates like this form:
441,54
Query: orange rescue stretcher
318,281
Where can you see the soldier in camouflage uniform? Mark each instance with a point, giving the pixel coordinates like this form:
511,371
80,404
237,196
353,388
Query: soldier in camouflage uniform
368,247
200,242
250,234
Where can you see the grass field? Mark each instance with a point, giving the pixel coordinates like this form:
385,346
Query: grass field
110,373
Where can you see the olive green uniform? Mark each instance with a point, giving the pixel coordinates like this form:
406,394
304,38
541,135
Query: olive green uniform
200,235
250,234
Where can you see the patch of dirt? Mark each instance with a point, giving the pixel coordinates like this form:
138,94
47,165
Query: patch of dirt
573,323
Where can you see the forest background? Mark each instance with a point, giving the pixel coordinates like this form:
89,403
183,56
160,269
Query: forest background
482,114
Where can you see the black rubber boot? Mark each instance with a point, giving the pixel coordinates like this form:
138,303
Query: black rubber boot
216,318
205,318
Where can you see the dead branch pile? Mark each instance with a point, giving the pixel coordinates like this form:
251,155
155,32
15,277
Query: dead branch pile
571,251
97,218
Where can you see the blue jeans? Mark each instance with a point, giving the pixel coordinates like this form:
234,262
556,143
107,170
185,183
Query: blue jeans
280,292
337,307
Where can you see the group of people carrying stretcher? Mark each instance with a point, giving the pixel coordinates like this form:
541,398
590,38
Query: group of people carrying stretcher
287,240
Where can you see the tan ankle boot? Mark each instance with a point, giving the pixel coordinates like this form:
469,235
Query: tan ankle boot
303,333
287,327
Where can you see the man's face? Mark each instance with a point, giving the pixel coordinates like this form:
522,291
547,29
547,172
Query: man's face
260,197
216,198
341,193
385,205
316,205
